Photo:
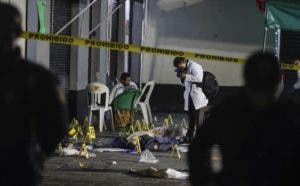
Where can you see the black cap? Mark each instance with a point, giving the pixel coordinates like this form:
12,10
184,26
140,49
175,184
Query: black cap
10,21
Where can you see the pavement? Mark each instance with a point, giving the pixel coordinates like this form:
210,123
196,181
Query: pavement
100,170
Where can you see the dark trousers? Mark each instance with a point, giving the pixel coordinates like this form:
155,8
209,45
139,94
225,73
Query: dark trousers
194,120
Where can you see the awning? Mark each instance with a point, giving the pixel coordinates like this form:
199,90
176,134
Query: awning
283,14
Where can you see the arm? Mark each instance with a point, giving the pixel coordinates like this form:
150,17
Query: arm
196,74
113,94
134,86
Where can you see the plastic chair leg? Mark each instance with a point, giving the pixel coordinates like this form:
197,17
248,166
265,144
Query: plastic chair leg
101,120
112,120
145,112
149,113
90,117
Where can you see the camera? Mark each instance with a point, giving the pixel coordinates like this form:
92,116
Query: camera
178,72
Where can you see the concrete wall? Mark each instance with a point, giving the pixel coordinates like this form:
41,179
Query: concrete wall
79,55
95,53
218,27
79,63
136,38
104,30
123,37
43,48
38,51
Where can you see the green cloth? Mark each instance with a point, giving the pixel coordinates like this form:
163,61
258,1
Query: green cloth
41,12
126,100
283,14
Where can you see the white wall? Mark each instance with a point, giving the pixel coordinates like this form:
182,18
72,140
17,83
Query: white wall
79,62
218,27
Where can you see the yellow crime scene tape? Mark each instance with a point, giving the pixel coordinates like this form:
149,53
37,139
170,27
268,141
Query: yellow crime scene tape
70,40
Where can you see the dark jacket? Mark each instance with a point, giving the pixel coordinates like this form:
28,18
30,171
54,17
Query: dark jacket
259,145
33,119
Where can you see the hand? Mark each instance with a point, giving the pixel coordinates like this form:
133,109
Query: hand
182,75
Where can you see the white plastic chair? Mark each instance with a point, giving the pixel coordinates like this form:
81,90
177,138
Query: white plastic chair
144,104
95,91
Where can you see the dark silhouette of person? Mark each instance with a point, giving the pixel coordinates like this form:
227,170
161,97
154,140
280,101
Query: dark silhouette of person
33,110
251,138
296,85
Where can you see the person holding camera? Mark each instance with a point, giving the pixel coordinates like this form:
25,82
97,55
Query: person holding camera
191,74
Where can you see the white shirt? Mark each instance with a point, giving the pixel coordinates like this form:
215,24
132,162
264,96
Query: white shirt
119,88
297,84
195,74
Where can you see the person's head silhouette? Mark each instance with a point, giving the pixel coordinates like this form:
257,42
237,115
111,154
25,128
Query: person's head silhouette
10,20
262,78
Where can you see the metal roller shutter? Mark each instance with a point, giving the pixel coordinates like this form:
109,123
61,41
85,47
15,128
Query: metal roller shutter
114,37
60,54
290,45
